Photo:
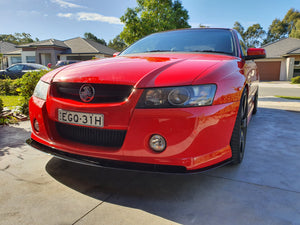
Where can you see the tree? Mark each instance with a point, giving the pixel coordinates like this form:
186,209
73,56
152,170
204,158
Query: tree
254,36
239,28
288,27
290,19
295,33
17,38
117,43
152,16
91,36
277,30
283,28
203,26
23,38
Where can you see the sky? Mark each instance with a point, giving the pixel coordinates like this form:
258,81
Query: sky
66,19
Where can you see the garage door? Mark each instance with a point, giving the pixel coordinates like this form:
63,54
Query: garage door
269,70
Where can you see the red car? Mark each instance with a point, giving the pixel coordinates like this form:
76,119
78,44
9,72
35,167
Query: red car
176,101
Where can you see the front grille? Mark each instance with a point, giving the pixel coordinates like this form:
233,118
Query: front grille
91,136
104,93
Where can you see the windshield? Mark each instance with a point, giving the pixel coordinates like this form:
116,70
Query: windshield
193,40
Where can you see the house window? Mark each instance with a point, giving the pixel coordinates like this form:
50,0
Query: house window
16,59
30,59
296,69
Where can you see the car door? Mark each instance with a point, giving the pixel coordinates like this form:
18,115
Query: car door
250,72
15,71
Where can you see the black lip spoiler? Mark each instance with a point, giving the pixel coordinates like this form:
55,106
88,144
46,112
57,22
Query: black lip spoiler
114,164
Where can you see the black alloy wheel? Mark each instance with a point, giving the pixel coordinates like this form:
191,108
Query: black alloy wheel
255,102
238,138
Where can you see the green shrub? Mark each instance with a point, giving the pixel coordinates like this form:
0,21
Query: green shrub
27,85
9,86
14,87
6,120
5,86
25,106
1,105
296,80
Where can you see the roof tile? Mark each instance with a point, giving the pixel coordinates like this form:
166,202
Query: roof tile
282,47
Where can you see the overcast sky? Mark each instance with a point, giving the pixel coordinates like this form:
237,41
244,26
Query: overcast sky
65,19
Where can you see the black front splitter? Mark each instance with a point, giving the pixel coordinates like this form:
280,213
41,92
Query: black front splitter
114,164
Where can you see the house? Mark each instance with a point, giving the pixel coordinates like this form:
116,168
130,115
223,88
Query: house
52,50
5,48
282,61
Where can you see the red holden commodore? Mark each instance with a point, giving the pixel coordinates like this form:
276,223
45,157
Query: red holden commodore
175,101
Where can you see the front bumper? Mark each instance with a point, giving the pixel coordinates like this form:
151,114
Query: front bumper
114,164
197,138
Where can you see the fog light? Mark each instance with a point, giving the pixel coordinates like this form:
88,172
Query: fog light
36,125
157,143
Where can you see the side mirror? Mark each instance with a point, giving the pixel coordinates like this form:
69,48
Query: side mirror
255,53
116,54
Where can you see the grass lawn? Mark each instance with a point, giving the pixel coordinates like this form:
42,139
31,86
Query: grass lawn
288,97
10,100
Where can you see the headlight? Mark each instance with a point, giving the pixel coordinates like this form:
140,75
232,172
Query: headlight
41,90
172,97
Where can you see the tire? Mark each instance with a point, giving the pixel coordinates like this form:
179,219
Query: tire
255,102
238,138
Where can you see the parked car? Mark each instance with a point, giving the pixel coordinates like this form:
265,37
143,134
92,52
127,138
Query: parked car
19,69
65,62
176,101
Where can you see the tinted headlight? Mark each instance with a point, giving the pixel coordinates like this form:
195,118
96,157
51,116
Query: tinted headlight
41,90
172,97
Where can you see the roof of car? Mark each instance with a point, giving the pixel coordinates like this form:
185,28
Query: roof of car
194,29
30,64
204,28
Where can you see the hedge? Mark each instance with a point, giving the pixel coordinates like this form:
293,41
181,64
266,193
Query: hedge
296,80
23,87
27,84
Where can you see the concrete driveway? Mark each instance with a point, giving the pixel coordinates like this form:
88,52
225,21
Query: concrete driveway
264,189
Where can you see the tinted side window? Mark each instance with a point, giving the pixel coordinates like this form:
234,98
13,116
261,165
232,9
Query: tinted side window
29,68
16,68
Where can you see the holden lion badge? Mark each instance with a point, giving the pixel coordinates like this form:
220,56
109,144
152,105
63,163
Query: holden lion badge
87,93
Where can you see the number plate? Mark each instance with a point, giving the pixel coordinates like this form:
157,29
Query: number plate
88,119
